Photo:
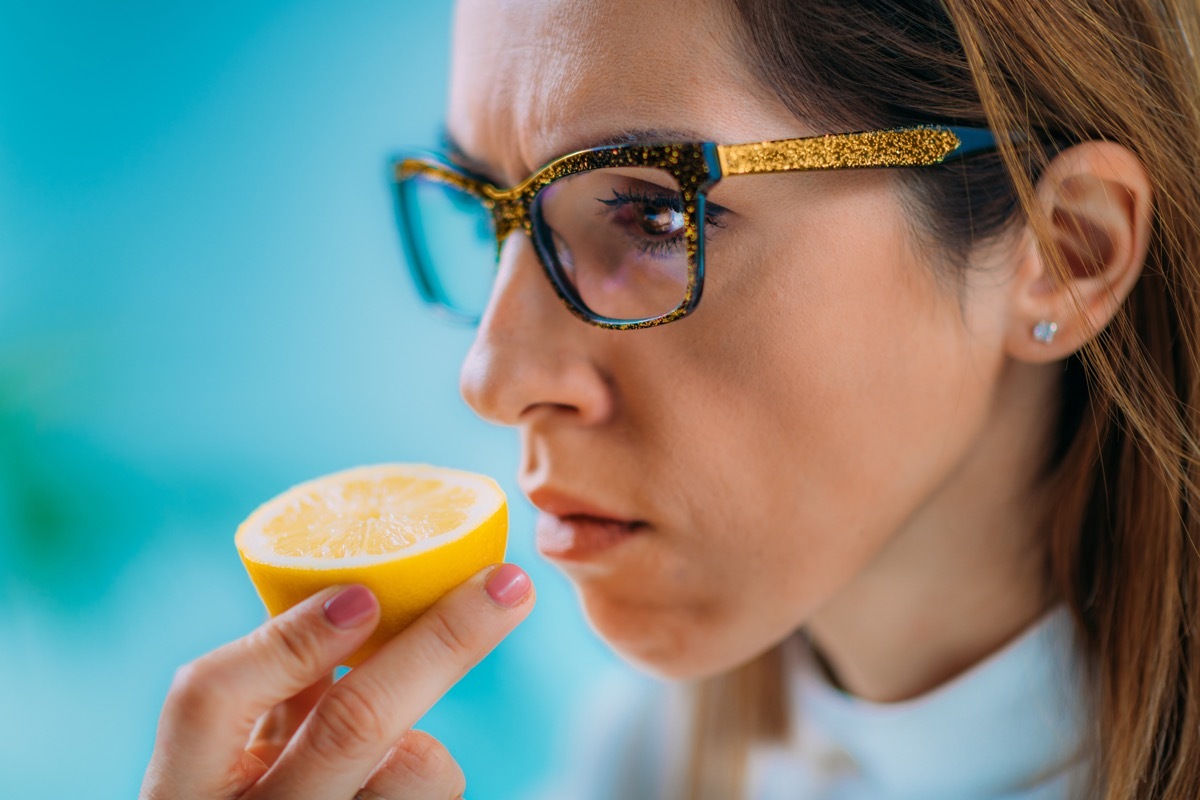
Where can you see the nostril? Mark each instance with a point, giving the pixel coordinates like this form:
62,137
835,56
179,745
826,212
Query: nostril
505,380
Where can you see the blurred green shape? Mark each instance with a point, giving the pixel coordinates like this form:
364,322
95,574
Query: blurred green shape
70,514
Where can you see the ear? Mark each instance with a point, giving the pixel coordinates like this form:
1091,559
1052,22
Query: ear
1096,203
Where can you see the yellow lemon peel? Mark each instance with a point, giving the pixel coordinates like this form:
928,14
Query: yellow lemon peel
408,532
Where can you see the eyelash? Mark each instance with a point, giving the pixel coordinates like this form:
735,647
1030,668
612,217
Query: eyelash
712,217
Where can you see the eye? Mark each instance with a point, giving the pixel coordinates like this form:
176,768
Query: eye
661,220
652,215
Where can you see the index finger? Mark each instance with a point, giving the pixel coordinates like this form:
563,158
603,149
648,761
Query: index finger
364,714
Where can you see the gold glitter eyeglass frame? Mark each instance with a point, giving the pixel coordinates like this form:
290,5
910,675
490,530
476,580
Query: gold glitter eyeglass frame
697,166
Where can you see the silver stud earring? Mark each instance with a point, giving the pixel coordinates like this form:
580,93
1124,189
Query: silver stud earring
1044,331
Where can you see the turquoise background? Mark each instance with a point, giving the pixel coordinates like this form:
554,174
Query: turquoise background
202,302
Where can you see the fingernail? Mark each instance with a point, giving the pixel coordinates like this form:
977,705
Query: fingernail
350,606
508,585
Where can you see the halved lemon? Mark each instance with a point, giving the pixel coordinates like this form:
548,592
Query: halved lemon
409,532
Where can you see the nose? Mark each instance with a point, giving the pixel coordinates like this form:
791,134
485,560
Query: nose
531,354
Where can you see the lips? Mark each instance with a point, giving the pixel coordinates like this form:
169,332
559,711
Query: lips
569,529
559,504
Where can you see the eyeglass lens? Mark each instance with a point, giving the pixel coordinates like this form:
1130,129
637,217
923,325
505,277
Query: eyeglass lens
617,236
455,242
614,236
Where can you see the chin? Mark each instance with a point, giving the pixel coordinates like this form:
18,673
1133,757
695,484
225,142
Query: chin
670,644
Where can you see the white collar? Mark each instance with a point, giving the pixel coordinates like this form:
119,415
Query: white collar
1012,726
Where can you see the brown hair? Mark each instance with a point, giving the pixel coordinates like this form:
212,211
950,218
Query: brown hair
1122,545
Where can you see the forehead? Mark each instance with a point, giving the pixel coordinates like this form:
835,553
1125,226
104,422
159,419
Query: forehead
533,79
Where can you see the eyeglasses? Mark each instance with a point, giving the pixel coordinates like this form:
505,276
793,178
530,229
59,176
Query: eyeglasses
620,231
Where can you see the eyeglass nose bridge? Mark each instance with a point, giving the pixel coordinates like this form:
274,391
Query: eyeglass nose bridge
509,215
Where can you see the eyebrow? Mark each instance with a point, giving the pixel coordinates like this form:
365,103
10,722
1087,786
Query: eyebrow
624,137
458,154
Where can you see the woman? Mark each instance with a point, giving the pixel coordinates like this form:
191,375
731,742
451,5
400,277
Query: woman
909,494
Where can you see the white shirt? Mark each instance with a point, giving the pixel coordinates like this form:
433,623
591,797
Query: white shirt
1011,727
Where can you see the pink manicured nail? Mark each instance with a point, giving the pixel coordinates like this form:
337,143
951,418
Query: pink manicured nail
350,606
508,585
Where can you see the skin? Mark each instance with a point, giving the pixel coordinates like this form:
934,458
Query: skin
834,440
261,719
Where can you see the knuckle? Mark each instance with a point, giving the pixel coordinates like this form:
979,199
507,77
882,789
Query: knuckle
192,694
185,679
420,758
295,647
346,724
450,638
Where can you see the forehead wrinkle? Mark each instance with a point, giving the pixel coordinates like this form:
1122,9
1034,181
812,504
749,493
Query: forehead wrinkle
549,77
605,81
583,120
553,99
549,64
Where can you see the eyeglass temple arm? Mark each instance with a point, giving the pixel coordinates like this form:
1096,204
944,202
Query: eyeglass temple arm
912,147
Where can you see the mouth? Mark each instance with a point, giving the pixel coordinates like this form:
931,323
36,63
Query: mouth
569,529
580,537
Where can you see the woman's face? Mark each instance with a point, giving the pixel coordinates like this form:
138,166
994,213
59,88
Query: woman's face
772,443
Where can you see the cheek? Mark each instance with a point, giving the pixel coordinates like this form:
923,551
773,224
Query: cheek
892,388
850,378
817,408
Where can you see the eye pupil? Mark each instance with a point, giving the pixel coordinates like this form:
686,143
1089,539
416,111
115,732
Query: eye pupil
661,220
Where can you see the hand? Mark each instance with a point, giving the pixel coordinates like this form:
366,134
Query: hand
261,719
